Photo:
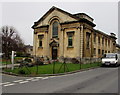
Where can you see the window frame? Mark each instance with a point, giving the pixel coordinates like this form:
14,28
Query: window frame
102,40
70,39
103,52
40,37
94,53
99,40
40,42
70,35
88,40
99,51
95,38
55,25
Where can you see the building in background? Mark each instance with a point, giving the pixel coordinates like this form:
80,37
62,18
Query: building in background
29,50
61,34
117,48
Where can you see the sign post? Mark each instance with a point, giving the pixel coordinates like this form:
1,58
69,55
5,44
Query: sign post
12,59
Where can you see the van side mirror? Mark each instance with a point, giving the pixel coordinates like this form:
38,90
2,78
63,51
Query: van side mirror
116,57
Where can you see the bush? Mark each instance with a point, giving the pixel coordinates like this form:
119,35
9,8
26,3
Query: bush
39,61
19,61
74,61
19,54
26,55
29,65
67,60
28,60
21,72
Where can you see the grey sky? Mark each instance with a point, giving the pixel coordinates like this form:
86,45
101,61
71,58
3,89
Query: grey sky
23,15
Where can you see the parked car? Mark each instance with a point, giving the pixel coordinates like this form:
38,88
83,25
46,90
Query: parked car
26,62
111,59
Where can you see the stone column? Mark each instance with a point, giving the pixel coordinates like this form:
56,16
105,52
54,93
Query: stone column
81,41
78,42
35,44
62,43
46,44
92,46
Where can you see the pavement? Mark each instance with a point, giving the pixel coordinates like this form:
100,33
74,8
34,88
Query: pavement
99,80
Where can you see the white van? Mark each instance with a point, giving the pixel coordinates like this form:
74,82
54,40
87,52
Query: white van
111,59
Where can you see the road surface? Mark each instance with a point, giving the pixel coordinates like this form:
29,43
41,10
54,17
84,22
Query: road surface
99,80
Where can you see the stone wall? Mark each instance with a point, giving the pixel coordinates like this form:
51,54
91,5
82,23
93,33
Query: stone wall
81,60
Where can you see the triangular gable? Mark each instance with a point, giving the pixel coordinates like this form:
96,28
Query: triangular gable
50,11
54,43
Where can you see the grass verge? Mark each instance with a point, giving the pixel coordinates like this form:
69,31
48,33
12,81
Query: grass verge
4,61
48,69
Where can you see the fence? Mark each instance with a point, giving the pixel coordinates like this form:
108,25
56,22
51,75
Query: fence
57,66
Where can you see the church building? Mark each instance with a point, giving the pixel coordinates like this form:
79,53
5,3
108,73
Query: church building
61,34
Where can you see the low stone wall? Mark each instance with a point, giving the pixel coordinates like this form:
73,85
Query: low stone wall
90,60
80,60
72,60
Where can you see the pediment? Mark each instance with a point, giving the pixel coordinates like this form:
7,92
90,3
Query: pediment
54,12
54,43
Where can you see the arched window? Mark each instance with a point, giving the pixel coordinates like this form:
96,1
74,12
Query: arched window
55,29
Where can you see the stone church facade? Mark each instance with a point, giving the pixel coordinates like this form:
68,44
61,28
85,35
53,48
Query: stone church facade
62,34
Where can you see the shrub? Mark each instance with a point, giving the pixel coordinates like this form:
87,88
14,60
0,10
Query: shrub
28,60
30,64
19,54
74,61
67,60
19,61
39,61
21,71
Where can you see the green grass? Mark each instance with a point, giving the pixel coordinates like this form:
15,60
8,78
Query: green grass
4,61
48,69
19,58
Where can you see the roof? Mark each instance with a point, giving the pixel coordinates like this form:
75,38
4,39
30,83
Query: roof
104,33
28,46
83,14
65,12
117,45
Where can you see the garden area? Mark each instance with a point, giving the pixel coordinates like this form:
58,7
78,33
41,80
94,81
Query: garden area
53,68
16,59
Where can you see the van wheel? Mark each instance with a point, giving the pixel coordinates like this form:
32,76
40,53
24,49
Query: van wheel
116,65
102,65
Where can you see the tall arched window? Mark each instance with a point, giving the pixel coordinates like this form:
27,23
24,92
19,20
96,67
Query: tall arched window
55,29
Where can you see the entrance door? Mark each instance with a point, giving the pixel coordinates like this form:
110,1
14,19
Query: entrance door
54,52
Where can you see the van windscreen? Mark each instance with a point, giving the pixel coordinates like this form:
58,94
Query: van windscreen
110,55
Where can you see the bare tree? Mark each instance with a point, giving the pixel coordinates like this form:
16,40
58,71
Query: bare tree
10,40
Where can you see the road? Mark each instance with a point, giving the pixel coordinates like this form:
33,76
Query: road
99,80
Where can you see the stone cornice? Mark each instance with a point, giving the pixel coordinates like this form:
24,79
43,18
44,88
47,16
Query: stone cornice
88,27
43,26
97,31
69,28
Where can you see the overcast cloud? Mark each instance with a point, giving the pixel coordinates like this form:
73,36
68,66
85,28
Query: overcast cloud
23,15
